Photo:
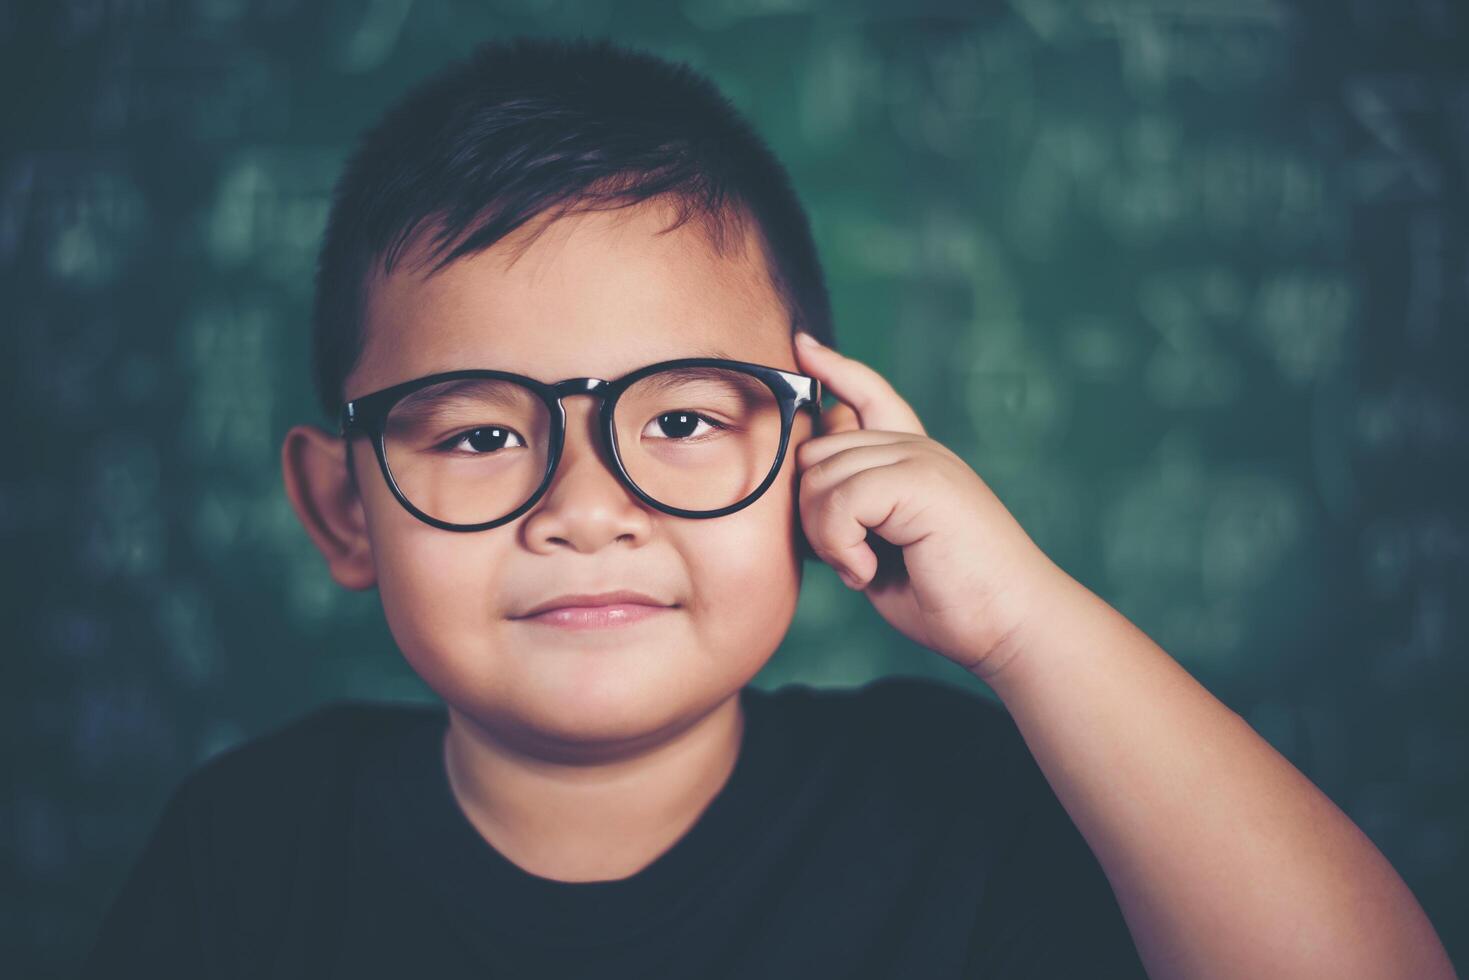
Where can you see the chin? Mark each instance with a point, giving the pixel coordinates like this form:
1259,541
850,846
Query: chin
606,694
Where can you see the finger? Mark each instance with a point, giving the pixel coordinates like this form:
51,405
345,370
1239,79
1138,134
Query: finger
818,448
844,463
877,404
841,417
836,520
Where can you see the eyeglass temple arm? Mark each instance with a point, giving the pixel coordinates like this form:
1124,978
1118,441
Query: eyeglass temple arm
347,420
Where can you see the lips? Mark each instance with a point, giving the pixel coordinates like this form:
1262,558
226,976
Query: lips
624,599
597,617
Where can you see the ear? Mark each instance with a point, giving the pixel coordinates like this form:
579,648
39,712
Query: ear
314,463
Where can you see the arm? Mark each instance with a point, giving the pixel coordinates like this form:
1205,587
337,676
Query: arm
1225,859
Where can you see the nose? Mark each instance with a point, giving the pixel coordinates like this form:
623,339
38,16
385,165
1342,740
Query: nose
586,507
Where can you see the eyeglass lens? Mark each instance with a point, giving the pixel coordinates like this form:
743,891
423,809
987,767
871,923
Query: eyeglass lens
471,451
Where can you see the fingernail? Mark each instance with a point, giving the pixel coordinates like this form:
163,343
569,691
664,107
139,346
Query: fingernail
851,580
806,340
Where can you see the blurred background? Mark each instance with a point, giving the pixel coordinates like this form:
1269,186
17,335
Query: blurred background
1185,282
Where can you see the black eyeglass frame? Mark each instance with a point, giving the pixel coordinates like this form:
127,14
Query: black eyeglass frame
368,414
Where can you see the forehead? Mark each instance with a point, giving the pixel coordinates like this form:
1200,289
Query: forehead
593,294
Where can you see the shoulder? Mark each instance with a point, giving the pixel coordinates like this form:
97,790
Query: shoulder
953,725
919,731
929,696
332,730
898,703
249,839
901,706
309,760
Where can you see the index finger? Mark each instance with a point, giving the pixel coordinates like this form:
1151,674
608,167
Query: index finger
876,402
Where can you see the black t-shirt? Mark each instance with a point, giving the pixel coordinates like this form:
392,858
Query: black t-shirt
899,829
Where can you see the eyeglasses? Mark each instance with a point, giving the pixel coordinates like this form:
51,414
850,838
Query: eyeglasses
474,449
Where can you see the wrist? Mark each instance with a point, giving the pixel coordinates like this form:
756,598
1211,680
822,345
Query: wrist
1049,594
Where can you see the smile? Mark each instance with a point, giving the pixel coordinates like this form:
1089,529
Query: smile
597,617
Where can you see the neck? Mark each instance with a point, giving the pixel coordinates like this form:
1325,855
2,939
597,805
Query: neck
592,815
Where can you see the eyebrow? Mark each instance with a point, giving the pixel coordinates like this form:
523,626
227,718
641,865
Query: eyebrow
710,352
418,407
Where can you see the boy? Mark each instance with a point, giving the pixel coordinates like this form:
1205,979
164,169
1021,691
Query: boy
589,574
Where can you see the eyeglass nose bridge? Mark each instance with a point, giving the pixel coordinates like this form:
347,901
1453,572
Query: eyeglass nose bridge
602,389
585,386
581,386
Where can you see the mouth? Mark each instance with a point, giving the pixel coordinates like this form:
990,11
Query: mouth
596,610
597,617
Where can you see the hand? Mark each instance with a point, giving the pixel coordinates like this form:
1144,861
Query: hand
944,562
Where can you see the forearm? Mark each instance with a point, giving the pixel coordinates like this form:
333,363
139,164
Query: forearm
1225,859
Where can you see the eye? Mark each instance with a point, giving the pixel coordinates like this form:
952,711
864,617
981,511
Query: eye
483,441
681,425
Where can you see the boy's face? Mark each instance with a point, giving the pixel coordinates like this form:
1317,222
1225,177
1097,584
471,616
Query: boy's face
596,295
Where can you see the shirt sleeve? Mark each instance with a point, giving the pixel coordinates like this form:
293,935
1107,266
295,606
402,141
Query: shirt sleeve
1049,910
152,927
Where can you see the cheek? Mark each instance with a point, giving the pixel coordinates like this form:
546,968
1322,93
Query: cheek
746,573
439,590
422,565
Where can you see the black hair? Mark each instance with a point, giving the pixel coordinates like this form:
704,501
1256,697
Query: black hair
531,126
